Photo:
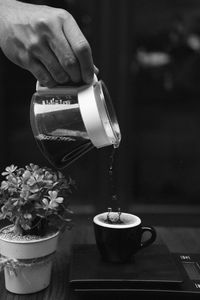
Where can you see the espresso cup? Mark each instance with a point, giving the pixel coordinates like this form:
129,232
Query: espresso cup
118,242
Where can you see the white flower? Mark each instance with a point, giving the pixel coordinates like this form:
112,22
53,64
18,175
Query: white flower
9,170
53,201
5,185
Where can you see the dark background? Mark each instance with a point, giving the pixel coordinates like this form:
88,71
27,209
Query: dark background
148,54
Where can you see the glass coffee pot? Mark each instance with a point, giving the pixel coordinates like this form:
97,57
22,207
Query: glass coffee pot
68,121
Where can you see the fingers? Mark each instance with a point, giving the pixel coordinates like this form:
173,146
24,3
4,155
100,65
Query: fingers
52,64
40,72
42,62
62,61
96,70
80,47
66,57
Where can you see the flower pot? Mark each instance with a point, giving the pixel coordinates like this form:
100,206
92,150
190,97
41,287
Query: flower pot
28,263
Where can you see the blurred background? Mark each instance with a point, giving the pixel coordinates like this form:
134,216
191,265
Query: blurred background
148,54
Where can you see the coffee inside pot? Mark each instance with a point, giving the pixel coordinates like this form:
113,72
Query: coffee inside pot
69,121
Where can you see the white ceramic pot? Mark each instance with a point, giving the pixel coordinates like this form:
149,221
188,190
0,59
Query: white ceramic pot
33,273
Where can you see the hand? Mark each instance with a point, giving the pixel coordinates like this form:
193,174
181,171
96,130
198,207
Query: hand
46,41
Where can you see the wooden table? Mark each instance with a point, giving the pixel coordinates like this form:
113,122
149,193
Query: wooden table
178,239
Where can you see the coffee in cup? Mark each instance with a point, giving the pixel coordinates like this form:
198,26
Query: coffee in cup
119,235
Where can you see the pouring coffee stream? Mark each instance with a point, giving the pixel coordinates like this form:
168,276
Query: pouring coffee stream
69,121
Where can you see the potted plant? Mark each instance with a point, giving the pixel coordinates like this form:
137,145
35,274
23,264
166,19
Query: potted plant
35,202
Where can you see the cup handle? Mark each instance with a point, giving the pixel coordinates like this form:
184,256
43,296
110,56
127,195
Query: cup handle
152,237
